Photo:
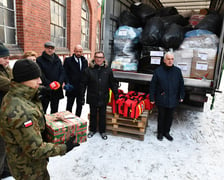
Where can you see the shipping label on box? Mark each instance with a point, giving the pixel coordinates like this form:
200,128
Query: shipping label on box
62,125
156,60
157,53
201,66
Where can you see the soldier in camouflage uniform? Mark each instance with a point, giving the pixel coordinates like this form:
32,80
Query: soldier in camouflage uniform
5,77
22,121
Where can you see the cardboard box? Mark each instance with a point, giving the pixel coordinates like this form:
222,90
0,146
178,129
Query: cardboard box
183,60
62,125
203,63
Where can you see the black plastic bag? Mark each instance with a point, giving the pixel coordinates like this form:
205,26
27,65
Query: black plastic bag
152,32
166,11
211,22
173,36
178,19
126,18
142,11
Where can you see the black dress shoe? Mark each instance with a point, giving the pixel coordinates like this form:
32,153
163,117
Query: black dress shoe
104,136
160,137
91,134
168,136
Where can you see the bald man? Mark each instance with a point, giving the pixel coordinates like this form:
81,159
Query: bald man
74,67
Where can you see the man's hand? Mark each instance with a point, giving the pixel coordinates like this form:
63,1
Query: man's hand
70,143
55,85
68,87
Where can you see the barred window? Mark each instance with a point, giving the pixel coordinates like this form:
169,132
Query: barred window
7,22
85,25
58,22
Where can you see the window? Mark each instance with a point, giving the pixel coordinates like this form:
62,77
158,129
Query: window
97,36
58,22
85,25
7,22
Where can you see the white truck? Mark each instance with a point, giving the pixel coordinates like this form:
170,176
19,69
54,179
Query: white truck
196,89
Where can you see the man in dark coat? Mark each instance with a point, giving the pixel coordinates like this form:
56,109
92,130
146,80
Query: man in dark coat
5,77
74,67
166,91
22,124
98,78
52,76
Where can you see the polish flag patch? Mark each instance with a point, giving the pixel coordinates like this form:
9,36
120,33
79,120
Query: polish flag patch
28,123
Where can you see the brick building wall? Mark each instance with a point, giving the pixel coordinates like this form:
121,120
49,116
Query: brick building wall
33,19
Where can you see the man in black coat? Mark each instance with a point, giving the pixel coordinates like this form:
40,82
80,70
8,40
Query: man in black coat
52,76
166,91
5,77
74,67
98,78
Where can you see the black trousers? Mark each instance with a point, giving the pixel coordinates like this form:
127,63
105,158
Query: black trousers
70,102
165,119
3,160
93,118
53,104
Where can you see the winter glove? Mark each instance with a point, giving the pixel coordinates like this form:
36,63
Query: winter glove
68,87
44,136
70,144
55,85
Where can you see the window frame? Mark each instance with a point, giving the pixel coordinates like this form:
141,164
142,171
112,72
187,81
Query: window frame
7,28
85,42
56,24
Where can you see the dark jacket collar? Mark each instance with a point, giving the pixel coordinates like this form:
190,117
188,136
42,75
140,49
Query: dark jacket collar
92,64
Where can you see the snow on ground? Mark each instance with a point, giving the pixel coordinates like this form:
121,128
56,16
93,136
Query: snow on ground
196,153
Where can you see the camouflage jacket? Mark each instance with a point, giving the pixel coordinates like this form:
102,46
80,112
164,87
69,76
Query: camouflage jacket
5,77
21,123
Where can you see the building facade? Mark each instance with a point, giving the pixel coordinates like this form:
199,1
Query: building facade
27,24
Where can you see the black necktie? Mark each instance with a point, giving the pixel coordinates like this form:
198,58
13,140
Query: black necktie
79,63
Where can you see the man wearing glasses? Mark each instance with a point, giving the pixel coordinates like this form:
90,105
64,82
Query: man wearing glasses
98,78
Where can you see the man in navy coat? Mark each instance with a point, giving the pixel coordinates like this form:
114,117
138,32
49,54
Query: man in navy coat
166,91
74,67
52,76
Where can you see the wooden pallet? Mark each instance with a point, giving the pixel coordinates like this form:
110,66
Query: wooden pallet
127,127
126,132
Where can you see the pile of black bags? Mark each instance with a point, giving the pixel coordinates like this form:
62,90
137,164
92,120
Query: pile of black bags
162,28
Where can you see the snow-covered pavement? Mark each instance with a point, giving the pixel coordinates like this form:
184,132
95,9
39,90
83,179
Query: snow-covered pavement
196,153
